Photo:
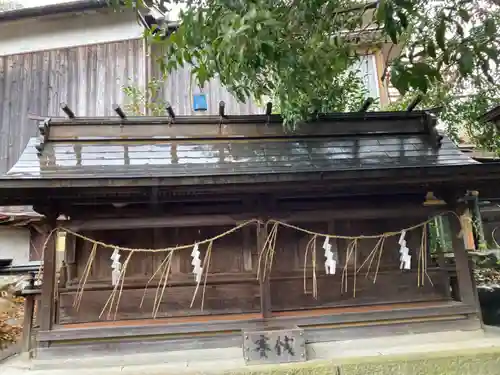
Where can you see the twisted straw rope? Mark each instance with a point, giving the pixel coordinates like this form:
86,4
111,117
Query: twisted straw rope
267,254
175,248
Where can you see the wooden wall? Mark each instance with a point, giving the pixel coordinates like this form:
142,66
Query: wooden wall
229,260
392,284
232,286
90,79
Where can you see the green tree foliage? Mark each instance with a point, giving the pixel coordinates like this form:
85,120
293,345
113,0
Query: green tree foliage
146,101
299,52
469,87
460,108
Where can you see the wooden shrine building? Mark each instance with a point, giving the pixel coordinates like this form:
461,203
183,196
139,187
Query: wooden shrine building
211,231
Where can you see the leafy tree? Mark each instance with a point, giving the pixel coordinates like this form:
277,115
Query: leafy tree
299,52
463,98
460,107
148,99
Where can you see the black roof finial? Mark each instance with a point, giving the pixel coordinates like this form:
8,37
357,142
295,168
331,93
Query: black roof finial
67,110
269,109
414,103
170,111
366,104
119,111
222,108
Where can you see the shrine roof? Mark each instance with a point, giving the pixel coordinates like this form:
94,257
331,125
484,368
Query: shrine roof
204,150
178,158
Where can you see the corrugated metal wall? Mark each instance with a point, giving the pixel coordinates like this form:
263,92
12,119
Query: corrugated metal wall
90,79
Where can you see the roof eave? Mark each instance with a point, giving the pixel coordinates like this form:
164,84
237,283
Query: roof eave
477,173
52,9
490,116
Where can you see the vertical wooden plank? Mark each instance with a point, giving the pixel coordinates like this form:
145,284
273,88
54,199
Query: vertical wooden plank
37,238
38,308
344,227
70,257
471,242
49,280
29,309
334,241
157,243
247,249
177,257
250,246
264,281
465,281
476,294
29,306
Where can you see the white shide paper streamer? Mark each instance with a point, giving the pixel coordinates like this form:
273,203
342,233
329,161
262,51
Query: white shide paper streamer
405,257
196,263
116,267
330,263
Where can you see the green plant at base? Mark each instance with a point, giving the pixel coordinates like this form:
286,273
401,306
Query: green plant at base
146,101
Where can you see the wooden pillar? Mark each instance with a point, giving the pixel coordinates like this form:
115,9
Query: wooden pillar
477,227
464,275
47,308
264,281
29,307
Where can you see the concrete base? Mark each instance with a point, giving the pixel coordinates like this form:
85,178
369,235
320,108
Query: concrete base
474,352
9,352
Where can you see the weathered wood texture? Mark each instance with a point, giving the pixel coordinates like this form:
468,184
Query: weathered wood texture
340,317
64,350
392,284
29,309
227,252
88,78
233,127
222,298
38,237
232,286
291,244
228,258
465,280
390,287
264,277
47,308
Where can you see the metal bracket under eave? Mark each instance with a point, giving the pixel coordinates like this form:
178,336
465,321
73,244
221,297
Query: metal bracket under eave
44,130
430,125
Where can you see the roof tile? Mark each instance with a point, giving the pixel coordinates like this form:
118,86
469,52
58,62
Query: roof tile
166,158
